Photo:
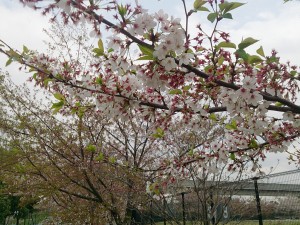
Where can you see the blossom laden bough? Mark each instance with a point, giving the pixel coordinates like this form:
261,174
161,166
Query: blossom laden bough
175,76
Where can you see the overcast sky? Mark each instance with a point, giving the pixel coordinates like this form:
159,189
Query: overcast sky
274,23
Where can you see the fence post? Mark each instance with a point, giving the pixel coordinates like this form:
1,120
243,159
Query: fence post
151,205
213,211
165,211
259,214
183,208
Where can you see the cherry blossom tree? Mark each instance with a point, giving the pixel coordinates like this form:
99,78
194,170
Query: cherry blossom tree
67,158
150,69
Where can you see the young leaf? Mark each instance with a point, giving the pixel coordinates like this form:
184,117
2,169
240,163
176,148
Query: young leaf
25,49
213,117
227,16
260,51
8,62
235,5
146,50
186,88
228,6
240,53
225,44
112,159
232,125
146,57
293,73
59,96
232,156
99,80
223,6
46,81
100,45
98,52
203,9
221,60
91,148
253,143
254,59
57,106
100,157
198,4
212,17
247,42
159,133
175,92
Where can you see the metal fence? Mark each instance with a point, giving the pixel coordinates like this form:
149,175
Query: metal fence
274,197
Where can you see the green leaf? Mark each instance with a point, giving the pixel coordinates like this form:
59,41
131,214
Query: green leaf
91,148
34,76
208,69
260,51
222,6
227,16
46,81
146,50
253,143
221,60
213,117
254,59
231,126
186,88
100,45
273,59
100,157
59,96
293,73
235,5
225,44
112,159
212,17
99,80
159,133
278,104
240,53
232,156
25,49
198,4
247,42
8,62
57,106
203,9
98,52
228,6
146,57
175,92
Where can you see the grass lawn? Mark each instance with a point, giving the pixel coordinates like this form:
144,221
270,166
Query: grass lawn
36,218
250,222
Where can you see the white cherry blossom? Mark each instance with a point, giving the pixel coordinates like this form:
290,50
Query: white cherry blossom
169,63
185,58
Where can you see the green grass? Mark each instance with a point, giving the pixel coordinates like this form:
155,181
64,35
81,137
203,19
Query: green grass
37,218
250,222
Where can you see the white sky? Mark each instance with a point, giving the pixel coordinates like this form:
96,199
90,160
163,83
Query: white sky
274,23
